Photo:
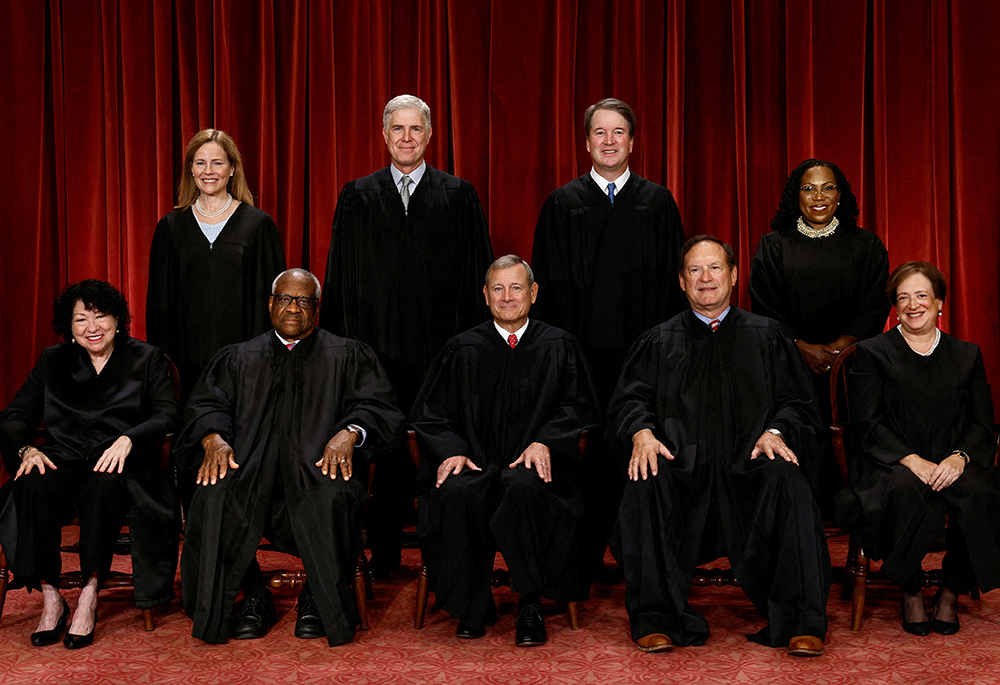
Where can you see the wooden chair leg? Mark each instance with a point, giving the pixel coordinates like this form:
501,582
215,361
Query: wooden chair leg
360,596
574,617
421,606
976,594
147,619
860,582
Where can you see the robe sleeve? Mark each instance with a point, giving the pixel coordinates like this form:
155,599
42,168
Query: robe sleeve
19,421
873,305
551,257
767,284
469,309
438,413
795,409
333,316
577,410
161,296
268,263
209,409
633,405
877,437
163,412
978,439
369,401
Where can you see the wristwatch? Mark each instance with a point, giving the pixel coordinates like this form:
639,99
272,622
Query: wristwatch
963,455
23,452
775,431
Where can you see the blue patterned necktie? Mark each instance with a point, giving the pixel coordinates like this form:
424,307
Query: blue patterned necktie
611,192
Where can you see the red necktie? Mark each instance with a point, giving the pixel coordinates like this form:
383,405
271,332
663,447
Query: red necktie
714,323
512,341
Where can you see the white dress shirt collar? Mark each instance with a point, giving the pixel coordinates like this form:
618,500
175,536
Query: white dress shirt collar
602,182
504,333
414,175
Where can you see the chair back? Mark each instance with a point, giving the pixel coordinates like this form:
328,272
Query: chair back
840,409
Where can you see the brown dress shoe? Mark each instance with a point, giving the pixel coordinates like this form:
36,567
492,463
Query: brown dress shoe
658,642
805,645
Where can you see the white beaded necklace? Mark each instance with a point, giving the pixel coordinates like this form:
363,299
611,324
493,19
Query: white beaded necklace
222,211
810,232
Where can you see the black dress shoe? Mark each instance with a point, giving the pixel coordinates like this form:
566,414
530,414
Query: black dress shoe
939,626
254,616
464,631
41,638
530,627
72,641
308,625
918,628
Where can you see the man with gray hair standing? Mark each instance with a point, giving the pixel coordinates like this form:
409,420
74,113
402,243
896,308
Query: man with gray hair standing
408,250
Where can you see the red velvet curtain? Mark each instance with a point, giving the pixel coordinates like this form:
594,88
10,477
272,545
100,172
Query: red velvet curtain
100,97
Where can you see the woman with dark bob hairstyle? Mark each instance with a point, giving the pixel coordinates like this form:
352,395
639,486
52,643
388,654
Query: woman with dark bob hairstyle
922,417
212,260
103,400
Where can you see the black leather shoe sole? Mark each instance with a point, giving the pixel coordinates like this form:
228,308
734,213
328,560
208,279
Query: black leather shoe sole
42,638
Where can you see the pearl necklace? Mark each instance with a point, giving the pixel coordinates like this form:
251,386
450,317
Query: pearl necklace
810,232
197,205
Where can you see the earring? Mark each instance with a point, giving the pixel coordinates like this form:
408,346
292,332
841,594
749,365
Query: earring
940,313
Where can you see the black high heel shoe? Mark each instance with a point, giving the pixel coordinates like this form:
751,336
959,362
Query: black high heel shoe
72,641
918,628
41,638
944,627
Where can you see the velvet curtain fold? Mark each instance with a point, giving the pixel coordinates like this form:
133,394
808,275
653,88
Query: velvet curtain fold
102,95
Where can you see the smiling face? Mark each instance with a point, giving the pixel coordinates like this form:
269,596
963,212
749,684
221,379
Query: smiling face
211,169
916,305
819,196
707,278
609,143
509,297
406,137
292,321
93,331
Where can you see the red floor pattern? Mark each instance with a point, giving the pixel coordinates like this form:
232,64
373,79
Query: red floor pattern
392,652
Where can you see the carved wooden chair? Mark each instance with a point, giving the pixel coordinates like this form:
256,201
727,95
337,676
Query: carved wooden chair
116,579
501,577
857,573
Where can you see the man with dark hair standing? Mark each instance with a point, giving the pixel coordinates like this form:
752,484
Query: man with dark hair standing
408,250
605,254
499,419
272,430
718,414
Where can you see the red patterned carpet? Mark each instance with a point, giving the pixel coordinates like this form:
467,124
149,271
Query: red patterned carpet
601,652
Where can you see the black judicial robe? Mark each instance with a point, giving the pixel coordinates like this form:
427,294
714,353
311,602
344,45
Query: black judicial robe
202,297
709,397
277,409
406,282
486,401
904,403
822,288
607,272
83,413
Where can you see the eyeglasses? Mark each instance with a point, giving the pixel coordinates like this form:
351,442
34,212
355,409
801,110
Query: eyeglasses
304,302
828,190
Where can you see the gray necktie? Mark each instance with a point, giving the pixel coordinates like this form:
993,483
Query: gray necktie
611,192
404,191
